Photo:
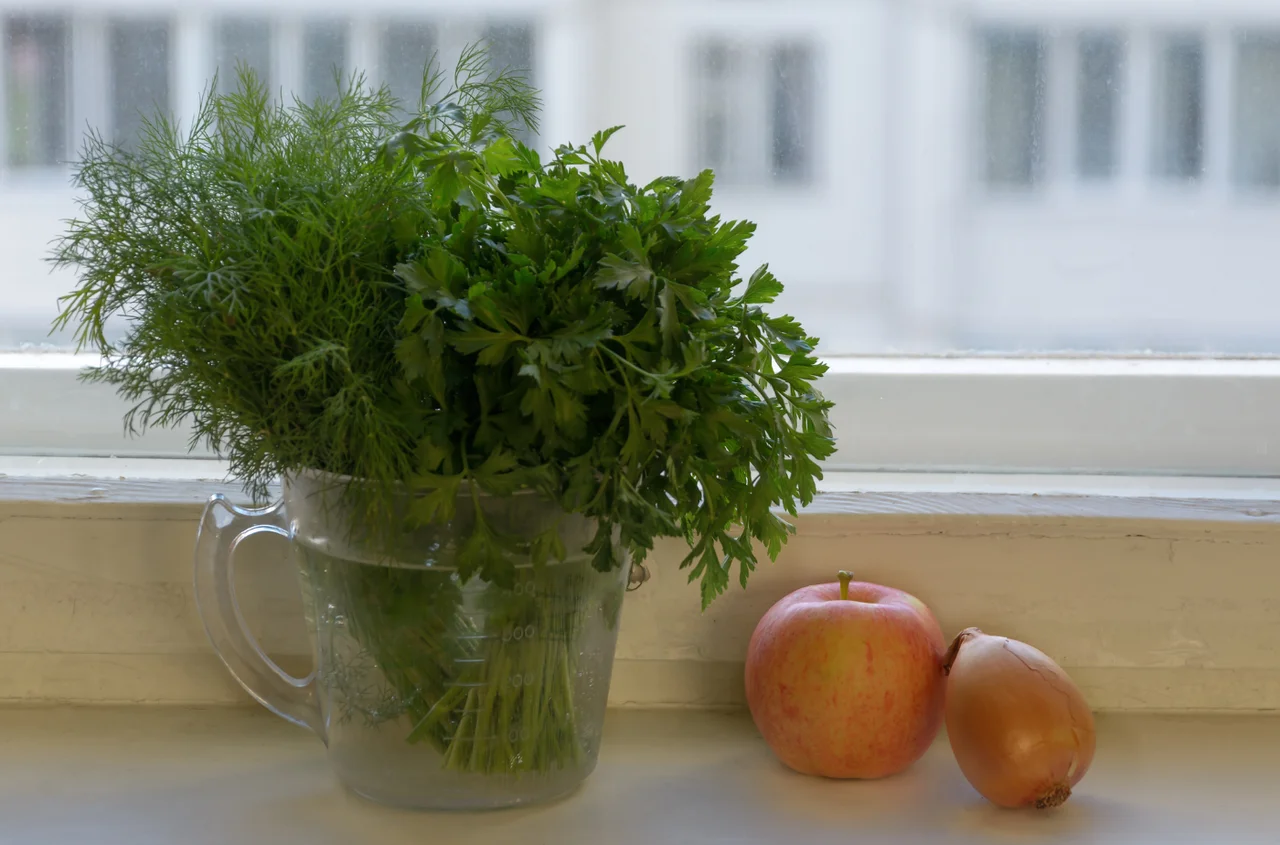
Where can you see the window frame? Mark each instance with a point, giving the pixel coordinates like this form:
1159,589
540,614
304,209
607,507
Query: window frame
1033,415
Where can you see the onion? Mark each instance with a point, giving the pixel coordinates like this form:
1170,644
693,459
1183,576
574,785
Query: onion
1020,729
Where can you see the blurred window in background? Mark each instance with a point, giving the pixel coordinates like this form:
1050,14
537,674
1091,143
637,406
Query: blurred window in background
925,178
244,43
139,74
1014,107
1256,113
36,102
1100,82
754,111
1179,108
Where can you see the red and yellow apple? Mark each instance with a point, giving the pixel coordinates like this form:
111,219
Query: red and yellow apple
845,680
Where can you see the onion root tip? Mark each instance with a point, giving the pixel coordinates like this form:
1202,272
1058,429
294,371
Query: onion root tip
1055,797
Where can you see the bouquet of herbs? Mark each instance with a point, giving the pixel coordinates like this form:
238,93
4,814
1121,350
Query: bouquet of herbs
433,306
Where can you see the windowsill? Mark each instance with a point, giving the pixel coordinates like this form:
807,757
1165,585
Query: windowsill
148,481
232,775
1149,591
1105,416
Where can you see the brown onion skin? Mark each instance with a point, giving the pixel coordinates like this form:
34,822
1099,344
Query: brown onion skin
1019,727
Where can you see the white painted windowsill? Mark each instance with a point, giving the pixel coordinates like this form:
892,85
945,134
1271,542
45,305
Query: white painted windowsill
1155,594
157,776
159,481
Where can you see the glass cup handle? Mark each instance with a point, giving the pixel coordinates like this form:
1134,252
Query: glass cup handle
223,527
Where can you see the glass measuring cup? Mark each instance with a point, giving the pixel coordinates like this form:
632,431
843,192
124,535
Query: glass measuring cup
428,691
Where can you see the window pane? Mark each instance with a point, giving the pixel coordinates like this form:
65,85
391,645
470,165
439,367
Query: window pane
943,213
716,64
139,75
791,112
244,43
324,58
1256,116
1178,132
753,110
36,91
405,50
1101,62
511,48
1014,108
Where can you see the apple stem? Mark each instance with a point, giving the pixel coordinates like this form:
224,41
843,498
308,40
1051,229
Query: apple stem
845,577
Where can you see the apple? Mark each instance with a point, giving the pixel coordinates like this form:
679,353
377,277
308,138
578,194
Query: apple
845,680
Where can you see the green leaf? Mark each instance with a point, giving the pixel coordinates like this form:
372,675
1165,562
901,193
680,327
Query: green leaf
444,182
694,300
501,158
414,312
547,546
431,456
437,501
715,576
489,347
482,554
695,194
669,409
569,264
434,280
602,137
644,332
566,154
603,557
800,370
530,161
624,274
498,462
763,287
413,355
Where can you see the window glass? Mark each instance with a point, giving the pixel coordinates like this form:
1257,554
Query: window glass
1013,108
716,66
754,110
1100,81
35,92
324,58
405,48
139,75
244,43
511,48
1178,131
1256,113
790,111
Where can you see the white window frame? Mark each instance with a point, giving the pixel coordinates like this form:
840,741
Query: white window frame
1097,416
